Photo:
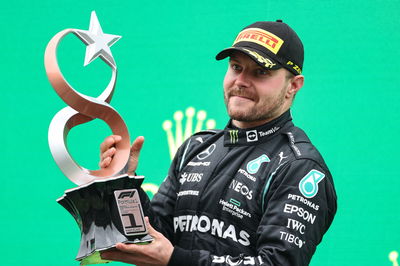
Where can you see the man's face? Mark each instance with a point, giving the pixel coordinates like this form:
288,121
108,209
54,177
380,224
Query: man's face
254,95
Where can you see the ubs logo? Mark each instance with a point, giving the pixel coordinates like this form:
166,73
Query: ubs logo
251,135
207,152
190,177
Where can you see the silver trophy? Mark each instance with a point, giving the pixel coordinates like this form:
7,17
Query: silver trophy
106,204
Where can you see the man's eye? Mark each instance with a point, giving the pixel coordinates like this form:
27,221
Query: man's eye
262,72
235,67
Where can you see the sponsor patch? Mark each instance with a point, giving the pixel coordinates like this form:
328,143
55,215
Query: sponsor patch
190,177
199,163
234,135
292,239
188,193
254,165
233,208
229,260
304,201
249,176
215,227
296,225
260,37
308,185
281,157
241,188
268,132
302,213
251,135
207,152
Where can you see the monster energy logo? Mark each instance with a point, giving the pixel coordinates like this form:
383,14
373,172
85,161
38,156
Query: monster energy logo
234,136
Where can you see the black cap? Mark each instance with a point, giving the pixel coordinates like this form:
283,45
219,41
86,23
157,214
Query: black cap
271,45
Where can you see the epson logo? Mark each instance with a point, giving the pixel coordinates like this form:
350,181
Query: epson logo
251,135
302,213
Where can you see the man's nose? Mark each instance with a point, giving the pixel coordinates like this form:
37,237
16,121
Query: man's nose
242,80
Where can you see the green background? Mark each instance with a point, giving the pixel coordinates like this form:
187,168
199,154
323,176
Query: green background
348,106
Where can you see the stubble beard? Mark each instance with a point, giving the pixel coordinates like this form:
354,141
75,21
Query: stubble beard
265,109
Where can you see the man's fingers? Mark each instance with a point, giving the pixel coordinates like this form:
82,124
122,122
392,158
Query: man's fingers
105,162
128,248
109,142
117,255
134,154
137,146
150,228
107,150
108,153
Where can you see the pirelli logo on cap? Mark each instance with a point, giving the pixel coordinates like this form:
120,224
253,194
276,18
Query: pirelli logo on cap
261,37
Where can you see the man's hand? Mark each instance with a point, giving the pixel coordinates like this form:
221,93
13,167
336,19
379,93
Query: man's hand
157,252
107,151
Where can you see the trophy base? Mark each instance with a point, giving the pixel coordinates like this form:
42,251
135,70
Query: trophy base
108,212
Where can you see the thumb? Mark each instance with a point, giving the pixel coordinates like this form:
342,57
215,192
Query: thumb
134,154
150,230
153,232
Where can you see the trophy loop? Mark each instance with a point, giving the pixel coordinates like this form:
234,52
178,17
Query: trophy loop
83,108
107,203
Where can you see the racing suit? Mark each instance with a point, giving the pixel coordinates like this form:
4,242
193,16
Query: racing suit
255,196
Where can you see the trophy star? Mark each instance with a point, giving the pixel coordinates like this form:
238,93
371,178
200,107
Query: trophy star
98,43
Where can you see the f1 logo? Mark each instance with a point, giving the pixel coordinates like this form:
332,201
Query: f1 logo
126,194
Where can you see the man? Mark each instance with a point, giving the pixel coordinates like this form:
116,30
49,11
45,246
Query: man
255,193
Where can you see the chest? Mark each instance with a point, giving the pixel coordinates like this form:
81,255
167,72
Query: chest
224,183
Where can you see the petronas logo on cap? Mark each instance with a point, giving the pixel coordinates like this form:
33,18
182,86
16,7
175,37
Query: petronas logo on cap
393,256
183,132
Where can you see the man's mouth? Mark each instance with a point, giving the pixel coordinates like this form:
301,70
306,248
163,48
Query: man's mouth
241,96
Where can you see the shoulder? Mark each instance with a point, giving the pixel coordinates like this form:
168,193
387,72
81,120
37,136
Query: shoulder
195,144
303,172
197,139
302,148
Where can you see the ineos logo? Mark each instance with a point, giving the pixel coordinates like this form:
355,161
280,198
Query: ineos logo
207,152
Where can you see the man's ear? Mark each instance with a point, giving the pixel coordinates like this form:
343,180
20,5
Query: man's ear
295,85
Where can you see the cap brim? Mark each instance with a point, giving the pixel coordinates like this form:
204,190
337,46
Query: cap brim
257,56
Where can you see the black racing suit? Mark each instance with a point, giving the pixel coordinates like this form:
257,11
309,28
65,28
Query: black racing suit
257,196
